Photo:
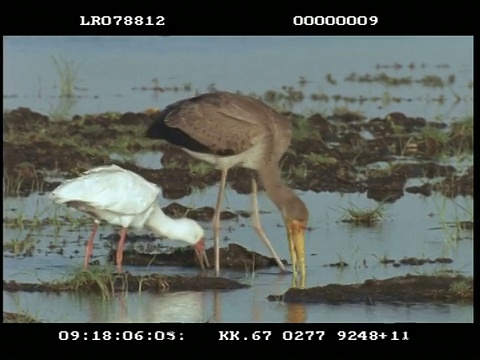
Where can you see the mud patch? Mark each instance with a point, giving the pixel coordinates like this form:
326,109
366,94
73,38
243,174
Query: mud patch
339,264
24,120
234,256
453,185
425,189
46,155
403,289
327,153
204,213
9,317
108,283
174,182
24,164
413,261
465,225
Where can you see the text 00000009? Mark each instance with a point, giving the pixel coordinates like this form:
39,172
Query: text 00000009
335,20
122,20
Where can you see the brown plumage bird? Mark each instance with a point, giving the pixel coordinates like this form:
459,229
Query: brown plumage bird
227,130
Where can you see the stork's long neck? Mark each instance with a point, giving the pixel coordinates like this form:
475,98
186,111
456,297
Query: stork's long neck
164,225
278,192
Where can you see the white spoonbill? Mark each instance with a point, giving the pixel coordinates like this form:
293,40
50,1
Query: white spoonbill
124,198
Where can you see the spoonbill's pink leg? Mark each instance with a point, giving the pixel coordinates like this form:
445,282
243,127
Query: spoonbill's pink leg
123,235
89,249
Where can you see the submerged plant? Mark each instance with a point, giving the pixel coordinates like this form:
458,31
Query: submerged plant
453,228
462,288
366,216
95,278
67,72
200,168
18,247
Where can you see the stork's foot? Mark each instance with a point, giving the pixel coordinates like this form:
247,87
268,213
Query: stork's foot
298,281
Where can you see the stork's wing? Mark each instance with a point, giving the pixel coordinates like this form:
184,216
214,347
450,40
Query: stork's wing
225,123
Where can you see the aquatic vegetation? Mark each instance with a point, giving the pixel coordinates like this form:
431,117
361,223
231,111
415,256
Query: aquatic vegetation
365,216
67,72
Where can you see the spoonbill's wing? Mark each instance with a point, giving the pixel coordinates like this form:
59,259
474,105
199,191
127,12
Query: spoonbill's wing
117,190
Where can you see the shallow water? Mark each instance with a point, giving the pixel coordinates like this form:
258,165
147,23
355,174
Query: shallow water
109,68
412,228
112,66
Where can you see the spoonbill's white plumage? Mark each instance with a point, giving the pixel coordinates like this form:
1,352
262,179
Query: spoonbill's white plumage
124,198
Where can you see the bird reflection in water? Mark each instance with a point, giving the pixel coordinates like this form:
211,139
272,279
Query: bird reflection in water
184,307
296,313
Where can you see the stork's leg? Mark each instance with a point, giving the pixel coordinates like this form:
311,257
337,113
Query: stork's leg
299,284
216,221
258,226
89,248
205,259
120,245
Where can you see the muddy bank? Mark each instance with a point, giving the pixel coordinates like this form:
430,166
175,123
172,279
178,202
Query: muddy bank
204,213
234,256
406,261
455,185
174,210
9,317
413,261
327,153
108,283
402,289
